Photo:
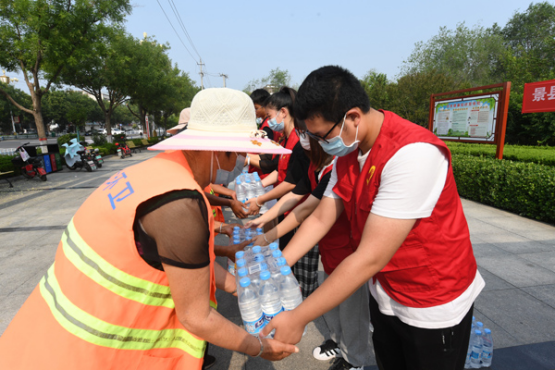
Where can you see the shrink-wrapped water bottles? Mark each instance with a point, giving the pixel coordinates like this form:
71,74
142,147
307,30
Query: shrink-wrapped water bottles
487,348
476,345
270,299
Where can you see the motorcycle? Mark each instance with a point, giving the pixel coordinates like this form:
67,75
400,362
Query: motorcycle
30,166
123,150
94,155
76,157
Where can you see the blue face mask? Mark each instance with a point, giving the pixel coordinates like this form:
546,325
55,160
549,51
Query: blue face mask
335,146
258,120
275,126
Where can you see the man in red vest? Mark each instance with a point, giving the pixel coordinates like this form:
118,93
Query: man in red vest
394,180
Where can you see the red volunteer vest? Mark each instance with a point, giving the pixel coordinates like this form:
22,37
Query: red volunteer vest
100,305
283,163
435,264
336,245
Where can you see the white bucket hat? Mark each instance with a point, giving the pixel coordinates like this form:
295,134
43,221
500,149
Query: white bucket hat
183,120
223,120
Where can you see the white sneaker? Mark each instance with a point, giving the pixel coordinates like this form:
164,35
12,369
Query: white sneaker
341,364
326,351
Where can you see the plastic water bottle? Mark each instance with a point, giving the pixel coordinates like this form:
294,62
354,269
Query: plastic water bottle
259,231
476,345
270,299
240,191
276,271
249,306
290,291
249,189
487,348
255,278
241,273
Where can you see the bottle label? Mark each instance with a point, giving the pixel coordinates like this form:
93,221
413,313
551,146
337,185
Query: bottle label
475,355
486,355
254,269
268,317
254,327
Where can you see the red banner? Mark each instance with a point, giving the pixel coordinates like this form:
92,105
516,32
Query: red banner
539,97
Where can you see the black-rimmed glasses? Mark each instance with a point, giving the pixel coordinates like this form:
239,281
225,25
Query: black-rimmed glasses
323,138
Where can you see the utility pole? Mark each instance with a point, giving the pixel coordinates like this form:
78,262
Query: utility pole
224,77
201,74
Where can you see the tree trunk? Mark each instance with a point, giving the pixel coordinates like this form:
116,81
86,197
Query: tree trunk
39,122
108,124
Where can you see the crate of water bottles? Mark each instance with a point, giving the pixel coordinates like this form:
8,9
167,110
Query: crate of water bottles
248,186
480,346
239,236
265,286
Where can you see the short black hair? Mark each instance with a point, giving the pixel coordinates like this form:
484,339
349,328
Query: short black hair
285,97
259,96
329,92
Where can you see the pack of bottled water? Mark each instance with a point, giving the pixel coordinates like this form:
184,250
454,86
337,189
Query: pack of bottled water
480,346
265,286
239,236
249,186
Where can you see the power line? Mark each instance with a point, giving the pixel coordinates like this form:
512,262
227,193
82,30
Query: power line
174,30
180,21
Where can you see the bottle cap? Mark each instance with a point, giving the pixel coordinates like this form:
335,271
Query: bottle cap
238,182
241,262
479,325
281,261
236,228
248,180
242,272
258,258
478,332
487,331
256,249
259,230
239,255
244,282
276,254
285,270
265,275
274,246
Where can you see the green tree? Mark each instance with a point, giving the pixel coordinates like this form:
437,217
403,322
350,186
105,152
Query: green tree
529,38
104,73
7,108
378,89
469,56
410,95
41,37
277,78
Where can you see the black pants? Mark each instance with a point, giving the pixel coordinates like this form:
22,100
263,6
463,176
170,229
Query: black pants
399,346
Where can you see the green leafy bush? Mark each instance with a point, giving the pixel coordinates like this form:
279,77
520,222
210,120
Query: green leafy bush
6,165
119,138
99,139
64,139
137,142
527,189
154,140
109,148
535,154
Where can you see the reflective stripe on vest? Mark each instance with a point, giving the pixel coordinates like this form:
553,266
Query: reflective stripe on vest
99,332
213,209
86,260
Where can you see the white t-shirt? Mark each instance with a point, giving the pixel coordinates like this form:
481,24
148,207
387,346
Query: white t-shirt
411,183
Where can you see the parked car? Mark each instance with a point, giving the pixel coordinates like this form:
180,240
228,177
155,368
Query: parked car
92,132
115,131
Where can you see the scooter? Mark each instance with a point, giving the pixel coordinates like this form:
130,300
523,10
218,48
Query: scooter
30,166
94,155
76,157
123,150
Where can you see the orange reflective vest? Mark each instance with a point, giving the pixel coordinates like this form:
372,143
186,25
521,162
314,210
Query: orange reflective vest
216,210
100,305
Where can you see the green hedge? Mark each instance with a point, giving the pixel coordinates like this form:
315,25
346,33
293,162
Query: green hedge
6,165
534,154
527,189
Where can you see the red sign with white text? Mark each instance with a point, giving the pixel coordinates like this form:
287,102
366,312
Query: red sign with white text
539,97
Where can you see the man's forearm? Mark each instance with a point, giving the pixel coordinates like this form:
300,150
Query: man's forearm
217,201
224,280
221,190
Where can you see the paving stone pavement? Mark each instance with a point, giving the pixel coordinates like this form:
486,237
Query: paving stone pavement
516,257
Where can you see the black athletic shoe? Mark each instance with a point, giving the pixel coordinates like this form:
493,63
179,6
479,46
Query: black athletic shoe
326,351
341,364
209,361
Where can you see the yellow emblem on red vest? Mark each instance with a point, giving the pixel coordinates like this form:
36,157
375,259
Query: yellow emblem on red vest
370,174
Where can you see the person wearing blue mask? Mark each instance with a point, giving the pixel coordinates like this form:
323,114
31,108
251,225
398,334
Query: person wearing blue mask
395,182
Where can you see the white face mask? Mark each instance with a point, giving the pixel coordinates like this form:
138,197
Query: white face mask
225,177
305,142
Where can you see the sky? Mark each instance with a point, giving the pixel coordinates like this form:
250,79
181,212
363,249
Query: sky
247,39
